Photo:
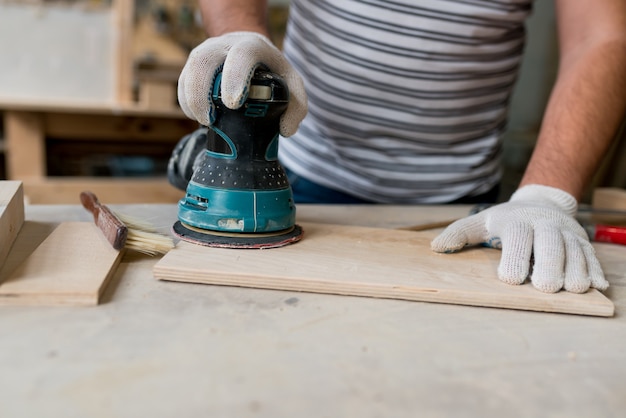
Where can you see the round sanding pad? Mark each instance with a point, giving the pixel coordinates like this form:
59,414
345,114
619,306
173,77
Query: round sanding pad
237,240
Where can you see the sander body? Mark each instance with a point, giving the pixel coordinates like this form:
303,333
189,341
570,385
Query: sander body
239,194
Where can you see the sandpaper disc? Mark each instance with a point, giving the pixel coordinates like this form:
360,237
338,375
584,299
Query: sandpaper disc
237,240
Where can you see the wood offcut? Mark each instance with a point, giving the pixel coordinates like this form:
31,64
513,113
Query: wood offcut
72,266
11,215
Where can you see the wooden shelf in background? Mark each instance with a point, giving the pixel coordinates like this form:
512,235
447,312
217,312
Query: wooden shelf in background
27,130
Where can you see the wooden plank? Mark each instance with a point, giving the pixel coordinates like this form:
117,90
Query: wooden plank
124,12
25,145
157,94
57,190
609,199
72,266
372,262
11,215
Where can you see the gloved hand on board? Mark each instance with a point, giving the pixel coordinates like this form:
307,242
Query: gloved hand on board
236,55
538,235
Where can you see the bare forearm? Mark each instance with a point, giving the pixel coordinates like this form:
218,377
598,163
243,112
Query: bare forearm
582,118
222,16
584,112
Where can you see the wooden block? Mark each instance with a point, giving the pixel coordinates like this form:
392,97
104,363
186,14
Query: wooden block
26,145
609,199
123,12
72,266
11,215
360,261
157,94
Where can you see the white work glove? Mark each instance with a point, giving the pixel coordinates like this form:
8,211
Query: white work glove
237,55
537,221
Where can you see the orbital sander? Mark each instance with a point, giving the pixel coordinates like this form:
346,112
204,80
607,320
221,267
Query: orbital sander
238,195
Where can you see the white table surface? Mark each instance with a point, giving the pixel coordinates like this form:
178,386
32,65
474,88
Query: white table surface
164,349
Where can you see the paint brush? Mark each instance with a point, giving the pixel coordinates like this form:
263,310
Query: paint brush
123,232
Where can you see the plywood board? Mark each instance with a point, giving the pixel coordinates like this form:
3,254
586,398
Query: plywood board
360,261
11,215
72,266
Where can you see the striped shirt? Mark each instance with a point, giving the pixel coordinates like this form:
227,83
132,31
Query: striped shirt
408,99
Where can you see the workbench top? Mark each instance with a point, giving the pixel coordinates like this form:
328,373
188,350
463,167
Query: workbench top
163,349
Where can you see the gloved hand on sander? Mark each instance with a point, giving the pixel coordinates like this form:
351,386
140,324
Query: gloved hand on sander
538,235
236,55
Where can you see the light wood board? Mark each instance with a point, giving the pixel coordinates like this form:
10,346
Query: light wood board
609,199
72,266
360,261
11,215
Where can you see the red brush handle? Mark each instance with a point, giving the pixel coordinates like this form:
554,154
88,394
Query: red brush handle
612,234
113,228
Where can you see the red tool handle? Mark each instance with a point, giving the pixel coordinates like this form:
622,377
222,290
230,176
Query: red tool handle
612,234
113,228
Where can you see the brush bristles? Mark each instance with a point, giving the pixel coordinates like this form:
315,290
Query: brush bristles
143,237
132,222
150,243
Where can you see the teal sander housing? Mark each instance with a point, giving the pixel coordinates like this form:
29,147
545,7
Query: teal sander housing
239,195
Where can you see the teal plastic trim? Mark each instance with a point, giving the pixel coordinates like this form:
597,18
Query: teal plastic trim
237,210
230,143
216,86
271,154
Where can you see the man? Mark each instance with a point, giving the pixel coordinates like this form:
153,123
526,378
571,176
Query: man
407,102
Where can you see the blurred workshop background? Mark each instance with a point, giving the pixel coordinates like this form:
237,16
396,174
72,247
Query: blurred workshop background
88,96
